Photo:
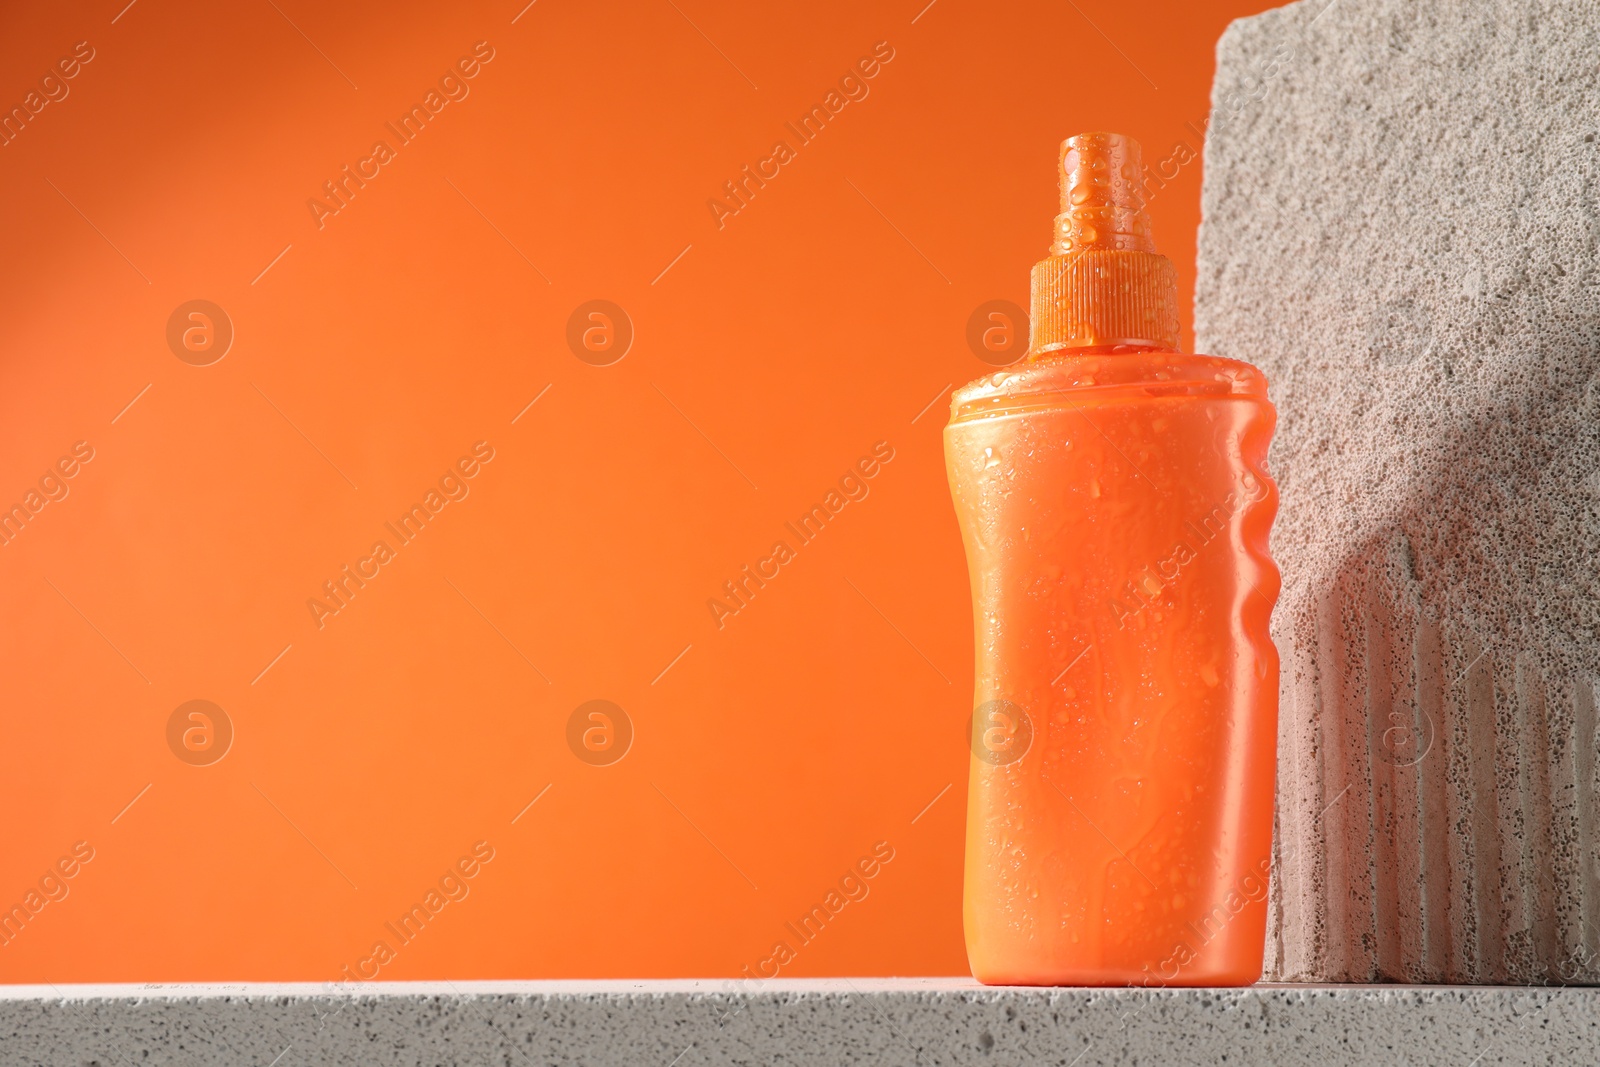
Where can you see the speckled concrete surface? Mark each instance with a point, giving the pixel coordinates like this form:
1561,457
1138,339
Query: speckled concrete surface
843,1021
1401,227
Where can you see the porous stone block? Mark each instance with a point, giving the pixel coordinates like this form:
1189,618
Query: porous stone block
882,1022
1400,229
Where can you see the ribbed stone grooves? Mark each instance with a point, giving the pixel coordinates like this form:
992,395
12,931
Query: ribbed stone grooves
1436,803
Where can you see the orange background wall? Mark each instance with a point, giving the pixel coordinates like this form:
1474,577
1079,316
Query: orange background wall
423,717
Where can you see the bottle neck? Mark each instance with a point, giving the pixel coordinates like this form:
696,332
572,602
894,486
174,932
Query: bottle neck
1102,350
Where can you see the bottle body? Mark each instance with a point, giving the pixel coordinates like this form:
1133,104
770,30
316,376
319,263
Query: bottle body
1115,510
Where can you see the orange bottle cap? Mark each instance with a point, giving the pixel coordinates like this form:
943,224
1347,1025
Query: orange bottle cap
1103,283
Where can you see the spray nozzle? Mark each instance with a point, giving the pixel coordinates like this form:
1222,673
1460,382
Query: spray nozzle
1104,284
1102,204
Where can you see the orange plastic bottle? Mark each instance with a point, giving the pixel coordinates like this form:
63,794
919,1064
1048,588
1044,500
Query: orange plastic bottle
1115,506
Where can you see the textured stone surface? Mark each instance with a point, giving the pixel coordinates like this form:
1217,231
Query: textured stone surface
1400,229
876,1021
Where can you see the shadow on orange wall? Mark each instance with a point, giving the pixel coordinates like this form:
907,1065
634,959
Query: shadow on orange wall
479,505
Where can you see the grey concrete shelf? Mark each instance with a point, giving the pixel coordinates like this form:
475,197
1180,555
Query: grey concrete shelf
833,1021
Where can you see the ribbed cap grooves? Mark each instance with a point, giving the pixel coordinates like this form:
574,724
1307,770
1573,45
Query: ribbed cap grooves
1104,297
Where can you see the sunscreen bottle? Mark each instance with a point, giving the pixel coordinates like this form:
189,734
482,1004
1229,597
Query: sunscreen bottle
1115,505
